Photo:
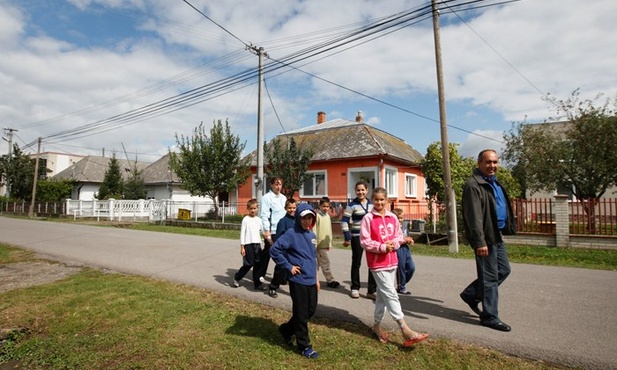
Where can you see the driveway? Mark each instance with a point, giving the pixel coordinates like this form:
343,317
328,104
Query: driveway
561,315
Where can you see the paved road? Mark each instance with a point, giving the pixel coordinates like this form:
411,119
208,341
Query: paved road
563,315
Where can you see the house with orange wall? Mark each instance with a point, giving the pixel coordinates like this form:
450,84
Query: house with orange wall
346,152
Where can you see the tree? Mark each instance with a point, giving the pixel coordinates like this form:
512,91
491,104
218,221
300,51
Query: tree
113,185
579,157
51,190
432,167
18,173
134,187
210,165
290,164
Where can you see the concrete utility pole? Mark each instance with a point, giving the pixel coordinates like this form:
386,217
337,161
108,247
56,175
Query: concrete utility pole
8,179
259,185
36,176
447,178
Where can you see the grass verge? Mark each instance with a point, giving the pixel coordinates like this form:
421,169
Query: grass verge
94,320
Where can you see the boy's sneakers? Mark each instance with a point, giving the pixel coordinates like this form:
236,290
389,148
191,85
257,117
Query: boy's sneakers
355,293
333,284
404,291
262,280
272,293
309,352
372,296
235,284
261,287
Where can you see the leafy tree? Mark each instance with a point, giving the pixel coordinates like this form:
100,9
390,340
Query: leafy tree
134,187
578,154
209,165
113,184
18,172
53,190
432,167
290,163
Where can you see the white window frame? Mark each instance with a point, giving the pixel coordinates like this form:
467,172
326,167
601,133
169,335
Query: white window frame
410,177
391,175
325,176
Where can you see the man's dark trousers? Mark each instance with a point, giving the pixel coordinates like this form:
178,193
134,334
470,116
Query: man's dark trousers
492,271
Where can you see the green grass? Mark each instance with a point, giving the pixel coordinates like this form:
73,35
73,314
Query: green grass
570,257
94,320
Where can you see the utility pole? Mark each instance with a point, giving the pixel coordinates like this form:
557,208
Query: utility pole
447,178
36,176
259,185
8,178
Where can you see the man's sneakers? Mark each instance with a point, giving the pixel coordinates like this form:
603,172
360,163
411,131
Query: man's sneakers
472,303
354,293
372,296
272,293
262,280
235,284
404,291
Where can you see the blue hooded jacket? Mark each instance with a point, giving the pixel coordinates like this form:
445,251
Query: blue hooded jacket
298,247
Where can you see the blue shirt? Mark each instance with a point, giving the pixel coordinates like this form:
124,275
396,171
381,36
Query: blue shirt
500,202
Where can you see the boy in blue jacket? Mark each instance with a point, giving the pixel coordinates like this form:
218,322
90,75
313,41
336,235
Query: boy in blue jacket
295,252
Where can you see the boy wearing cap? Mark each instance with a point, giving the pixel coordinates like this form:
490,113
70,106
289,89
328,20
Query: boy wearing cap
295,252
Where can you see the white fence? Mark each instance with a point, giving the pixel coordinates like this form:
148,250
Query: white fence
144,210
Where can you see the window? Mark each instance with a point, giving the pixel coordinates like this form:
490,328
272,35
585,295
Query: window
411,185
391,187
315,186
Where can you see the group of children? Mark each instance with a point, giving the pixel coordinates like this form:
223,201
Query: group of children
303,239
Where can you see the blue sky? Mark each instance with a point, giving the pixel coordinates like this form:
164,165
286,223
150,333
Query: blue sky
70,64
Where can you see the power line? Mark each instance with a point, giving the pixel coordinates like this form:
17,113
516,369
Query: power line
242,79
218,25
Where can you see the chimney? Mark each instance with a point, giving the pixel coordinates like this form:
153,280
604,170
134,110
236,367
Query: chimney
359,116
321,117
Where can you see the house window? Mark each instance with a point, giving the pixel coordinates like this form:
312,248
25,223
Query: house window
411,185
314,186
391,185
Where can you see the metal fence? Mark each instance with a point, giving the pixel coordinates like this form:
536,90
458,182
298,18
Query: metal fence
585,217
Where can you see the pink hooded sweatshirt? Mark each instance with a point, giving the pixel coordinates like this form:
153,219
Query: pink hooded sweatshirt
375,231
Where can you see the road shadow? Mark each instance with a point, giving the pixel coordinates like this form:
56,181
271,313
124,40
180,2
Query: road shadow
422,307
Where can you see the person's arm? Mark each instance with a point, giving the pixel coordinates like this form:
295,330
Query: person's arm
277,252
265,214
472,213
366,241
345,224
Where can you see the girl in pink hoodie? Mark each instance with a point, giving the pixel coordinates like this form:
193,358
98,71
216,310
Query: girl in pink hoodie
381,236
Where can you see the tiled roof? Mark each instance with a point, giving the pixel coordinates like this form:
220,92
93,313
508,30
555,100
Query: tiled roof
92,169
344,139
159,172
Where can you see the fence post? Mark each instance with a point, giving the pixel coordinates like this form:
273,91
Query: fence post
562,221
111,208
223,217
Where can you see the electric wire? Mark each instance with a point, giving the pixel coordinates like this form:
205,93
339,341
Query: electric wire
209,91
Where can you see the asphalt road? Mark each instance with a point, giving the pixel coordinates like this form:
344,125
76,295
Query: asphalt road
558,314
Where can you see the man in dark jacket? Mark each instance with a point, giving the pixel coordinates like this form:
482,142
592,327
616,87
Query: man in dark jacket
487,215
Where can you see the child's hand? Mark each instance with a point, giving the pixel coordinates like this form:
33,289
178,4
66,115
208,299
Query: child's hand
389,246
242,251
295,270
409,240
346,243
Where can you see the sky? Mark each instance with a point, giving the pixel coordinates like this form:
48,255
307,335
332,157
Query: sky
128,76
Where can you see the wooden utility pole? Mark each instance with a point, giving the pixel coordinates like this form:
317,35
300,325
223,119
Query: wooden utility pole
259,185
36,176
447,178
